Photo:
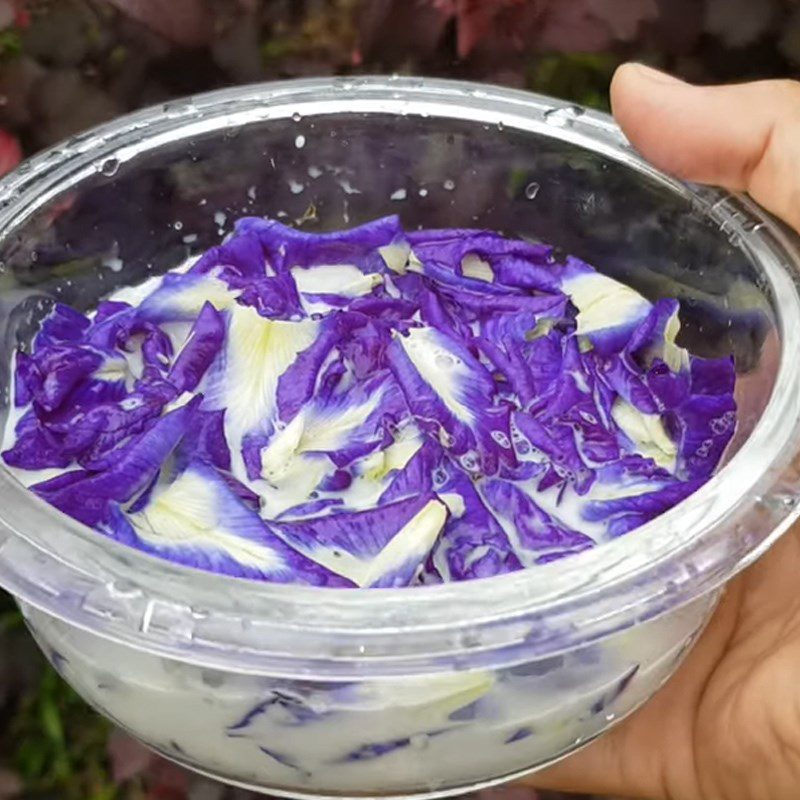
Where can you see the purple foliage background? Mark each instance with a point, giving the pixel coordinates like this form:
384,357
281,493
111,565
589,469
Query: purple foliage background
68,64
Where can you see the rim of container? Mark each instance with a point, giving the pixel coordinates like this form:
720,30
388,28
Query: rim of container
62,568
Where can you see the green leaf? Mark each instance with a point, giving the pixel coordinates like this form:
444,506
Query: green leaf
582,78
276,49
107,792
10,43
51,721
31,759
10,621
58,744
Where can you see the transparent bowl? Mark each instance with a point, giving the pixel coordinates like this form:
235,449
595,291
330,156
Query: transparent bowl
435,690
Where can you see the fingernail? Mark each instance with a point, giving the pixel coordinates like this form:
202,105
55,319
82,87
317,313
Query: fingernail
656,75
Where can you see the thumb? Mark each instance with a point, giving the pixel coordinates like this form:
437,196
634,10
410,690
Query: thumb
743,137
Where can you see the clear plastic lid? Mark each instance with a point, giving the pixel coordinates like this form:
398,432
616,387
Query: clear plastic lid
139,195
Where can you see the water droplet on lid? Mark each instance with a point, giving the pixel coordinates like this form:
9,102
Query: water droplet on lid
114,264
398,194
610,717
423,192
752,226
300,142
563,117
297,116
531,190
449,185
347,187
178,225
109,167
176,108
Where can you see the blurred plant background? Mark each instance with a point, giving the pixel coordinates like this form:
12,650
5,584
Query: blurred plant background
68,64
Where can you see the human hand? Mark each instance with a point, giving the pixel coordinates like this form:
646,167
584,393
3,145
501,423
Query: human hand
727,726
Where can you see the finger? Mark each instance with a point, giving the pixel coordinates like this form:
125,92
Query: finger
744,137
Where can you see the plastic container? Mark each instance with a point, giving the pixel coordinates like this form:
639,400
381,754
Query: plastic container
428,691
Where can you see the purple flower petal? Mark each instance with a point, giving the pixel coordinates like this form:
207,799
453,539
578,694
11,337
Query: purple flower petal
368,408
198,521
451,395
418,475
58,370
205,441
64,324
298,384
532,531
712,376
85,495
623,514
241,256
244,379
473,543
608,311
287,247
487,256
180,297
380,547
93,436
274,297
703,425
35,447
201,348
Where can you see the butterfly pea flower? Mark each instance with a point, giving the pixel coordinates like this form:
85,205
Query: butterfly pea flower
367,408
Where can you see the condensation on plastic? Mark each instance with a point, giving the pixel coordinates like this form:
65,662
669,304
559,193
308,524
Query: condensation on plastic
139,195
